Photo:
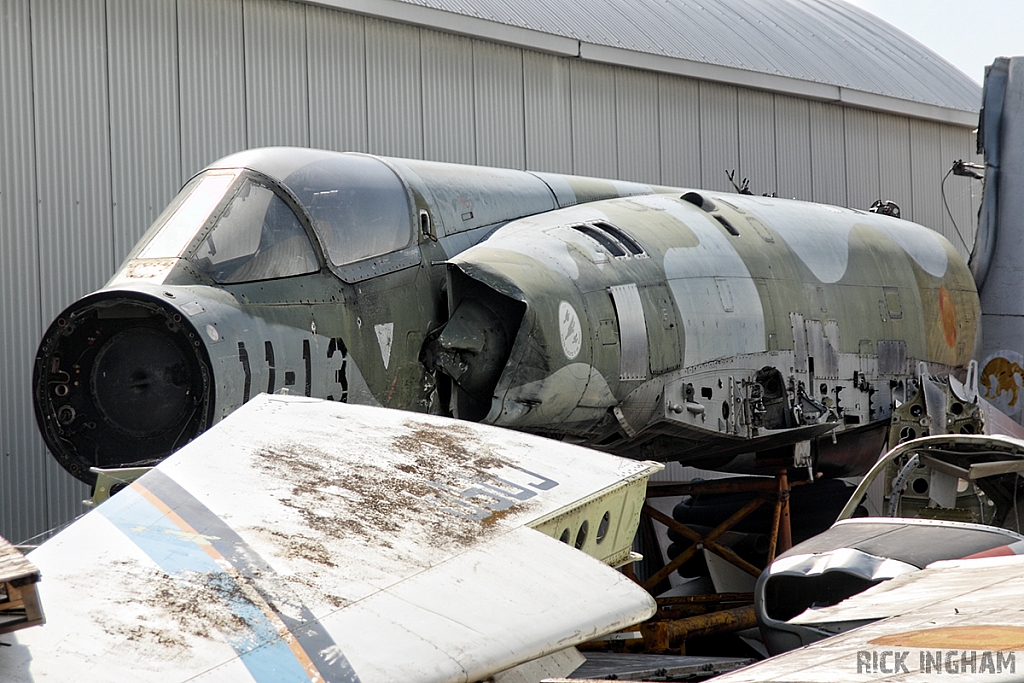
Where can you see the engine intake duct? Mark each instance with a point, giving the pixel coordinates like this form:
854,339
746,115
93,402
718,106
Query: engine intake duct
470,351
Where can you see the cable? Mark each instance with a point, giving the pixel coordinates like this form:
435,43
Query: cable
942,190
50,533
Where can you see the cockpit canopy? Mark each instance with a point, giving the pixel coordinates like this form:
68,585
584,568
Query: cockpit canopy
256,237
245,218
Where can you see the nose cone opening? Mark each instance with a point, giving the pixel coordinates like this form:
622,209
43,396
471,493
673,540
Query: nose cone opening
141,382
121,379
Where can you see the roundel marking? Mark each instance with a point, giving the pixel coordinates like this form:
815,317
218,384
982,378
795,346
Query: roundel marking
569,330
947,311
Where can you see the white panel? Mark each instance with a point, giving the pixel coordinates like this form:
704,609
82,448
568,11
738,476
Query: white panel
757,140
894,163
927,168
593,120
143,53
500,116
448,120
337,80
547,102
862,180
828,154
277,103
394,102
719,128
637,114
793,142
211,71
633,347
679,102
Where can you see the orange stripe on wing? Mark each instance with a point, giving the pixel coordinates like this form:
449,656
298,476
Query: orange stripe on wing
254,597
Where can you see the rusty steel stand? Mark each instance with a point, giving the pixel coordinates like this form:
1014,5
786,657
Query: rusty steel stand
665,631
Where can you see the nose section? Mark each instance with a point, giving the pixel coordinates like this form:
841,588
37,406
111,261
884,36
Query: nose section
121,379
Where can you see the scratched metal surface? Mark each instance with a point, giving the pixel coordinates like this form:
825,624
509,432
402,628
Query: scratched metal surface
301,538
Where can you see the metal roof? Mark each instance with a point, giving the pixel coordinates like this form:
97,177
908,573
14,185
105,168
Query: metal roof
807,47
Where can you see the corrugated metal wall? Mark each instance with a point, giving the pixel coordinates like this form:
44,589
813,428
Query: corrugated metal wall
637,114
594,130
500,108
719,135
793,142
107,106
547,103
142,52
336,46
24,470
679,131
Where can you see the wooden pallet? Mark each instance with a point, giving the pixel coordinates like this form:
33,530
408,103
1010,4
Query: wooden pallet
19,599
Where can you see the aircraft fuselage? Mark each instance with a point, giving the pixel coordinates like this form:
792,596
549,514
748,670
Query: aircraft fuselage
652,322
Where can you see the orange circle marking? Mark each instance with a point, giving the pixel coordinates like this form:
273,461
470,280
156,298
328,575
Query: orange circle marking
947,311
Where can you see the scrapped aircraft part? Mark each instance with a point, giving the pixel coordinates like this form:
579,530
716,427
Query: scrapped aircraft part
954,617
320,541
851,557
557,664
681,337
535,402
1001,236
111,481
633,361
124,370
629,318
955,496
618,666
944,405
19,598
986,465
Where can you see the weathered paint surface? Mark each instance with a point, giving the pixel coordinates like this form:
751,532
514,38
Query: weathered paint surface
646,321
756,317
955,617
305,540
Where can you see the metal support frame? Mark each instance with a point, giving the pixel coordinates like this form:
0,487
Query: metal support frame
780,538
663,632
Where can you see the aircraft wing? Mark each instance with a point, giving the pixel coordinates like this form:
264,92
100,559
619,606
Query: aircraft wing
960,617
305,540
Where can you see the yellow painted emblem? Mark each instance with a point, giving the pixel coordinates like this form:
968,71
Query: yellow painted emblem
1002,375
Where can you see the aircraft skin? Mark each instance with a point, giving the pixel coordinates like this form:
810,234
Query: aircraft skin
616,315
308,541
697,337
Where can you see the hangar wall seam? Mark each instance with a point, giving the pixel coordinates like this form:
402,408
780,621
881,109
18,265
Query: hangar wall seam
107,106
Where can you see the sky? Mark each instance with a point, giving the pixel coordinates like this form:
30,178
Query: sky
968,33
